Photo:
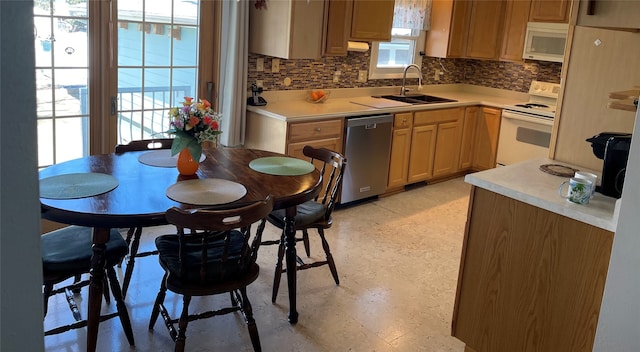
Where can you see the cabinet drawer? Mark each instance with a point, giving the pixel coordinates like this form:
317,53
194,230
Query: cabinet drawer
315,130
437,116
404,120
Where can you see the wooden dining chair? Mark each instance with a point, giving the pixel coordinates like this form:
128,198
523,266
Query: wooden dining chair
67,253
134,233
212,253
315,214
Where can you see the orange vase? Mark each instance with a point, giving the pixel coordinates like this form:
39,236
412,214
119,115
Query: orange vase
186,165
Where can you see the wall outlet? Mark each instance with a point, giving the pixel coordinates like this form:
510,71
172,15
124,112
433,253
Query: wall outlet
275,65
259,83
436,74
260,64
362,76
336,76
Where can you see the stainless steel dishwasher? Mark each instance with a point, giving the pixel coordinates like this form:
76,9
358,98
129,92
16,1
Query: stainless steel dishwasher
367,149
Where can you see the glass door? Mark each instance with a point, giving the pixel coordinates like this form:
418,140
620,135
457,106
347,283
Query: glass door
62,72
158,45
152,65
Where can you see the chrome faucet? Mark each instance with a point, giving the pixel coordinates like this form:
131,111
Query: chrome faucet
403,90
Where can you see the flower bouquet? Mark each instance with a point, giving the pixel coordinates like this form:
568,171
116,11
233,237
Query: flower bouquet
192,124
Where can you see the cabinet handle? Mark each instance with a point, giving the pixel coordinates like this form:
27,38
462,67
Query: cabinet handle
318,129
591,7
404,121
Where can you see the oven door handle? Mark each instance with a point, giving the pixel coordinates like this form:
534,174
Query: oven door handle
522,117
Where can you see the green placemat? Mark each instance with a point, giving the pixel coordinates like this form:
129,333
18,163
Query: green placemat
281,166
79,185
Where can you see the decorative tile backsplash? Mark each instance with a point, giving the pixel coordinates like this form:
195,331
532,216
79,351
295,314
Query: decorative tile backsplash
305,74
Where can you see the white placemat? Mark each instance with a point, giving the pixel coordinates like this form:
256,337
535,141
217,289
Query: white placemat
281,166
208,191
161,158
76,185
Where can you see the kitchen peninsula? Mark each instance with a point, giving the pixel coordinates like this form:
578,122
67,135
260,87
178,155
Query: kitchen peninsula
533,266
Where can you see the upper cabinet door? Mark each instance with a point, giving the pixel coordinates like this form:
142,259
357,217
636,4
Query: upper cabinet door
448,34
372,20
459,32
550,11
337,21
485,29
515,28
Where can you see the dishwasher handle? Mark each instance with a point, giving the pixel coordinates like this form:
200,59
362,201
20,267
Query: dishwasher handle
369,121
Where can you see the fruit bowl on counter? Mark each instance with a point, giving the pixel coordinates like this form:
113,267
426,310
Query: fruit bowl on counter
317,96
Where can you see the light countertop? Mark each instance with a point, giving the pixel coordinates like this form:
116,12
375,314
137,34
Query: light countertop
525,182
291,105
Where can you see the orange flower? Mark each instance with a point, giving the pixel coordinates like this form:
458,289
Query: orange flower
193,121
204,104
187,101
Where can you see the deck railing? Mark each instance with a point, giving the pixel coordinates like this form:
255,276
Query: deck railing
141,113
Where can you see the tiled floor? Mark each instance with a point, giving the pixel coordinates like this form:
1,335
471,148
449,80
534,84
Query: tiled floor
397,258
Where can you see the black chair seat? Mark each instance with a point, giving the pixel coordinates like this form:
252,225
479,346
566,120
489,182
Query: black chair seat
307,213
67,252
314,214
216,269
212,253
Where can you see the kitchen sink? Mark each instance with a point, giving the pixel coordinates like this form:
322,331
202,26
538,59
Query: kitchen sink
418,99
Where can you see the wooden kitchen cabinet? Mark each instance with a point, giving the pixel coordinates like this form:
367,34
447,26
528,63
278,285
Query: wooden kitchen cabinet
468,136
326,133
529,279
352,20
400,150
448,143
435,144
610,14
371,20
485,29
337,27
516,16
448,34
423,145
550,10
318,134
463,28
288,29
485,144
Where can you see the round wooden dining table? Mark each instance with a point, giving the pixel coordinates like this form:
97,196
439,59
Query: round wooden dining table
140,200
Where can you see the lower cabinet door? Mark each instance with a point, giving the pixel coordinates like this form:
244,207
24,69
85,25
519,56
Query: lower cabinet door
399,161
447,150
423,144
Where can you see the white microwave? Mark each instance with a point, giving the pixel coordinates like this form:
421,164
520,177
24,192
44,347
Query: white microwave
545,41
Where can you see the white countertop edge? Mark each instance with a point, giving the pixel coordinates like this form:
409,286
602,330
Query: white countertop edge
296,110
540,190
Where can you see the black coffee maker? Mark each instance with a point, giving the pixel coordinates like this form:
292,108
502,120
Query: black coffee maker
613,148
